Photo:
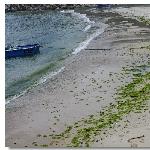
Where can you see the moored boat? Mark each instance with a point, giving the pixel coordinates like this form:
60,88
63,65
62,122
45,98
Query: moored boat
22,51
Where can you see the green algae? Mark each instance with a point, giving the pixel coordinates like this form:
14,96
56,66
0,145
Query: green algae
144,20
44,145
132,97
137,71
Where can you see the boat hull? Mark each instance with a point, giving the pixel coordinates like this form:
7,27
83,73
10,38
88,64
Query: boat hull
22,51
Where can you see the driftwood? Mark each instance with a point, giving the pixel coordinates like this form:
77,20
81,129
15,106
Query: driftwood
135,138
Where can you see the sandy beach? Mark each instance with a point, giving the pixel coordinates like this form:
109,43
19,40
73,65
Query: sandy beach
87,86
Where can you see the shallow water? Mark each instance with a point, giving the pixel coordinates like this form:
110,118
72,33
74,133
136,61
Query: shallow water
59,34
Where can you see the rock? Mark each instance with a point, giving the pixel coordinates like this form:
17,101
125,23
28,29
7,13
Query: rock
36,7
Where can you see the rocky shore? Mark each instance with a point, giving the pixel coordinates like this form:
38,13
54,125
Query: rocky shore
34,7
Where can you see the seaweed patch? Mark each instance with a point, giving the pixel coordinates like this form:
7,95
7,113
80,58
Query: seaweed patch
131,98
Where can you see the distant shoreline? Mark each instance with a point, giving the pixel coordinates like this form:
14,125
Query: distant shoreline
40,7
37,7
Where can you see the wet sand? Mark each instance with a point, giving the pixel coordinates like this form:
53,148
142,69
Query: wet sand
85,87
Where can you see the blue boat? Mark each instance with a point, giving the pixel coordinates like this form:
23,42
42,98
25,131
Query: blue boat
22,51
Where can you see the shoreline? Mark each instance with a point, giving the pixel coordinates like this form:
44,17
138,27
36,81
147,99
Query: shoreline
86,86
82,45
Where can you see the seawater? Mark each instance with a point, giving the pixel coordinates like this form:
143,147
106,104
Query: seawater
60,33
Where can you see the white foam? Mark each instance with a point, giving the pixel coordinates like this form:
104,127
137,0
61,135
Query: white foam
48,76
80,16
42,80
16,96
87,28
67,11
85,43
